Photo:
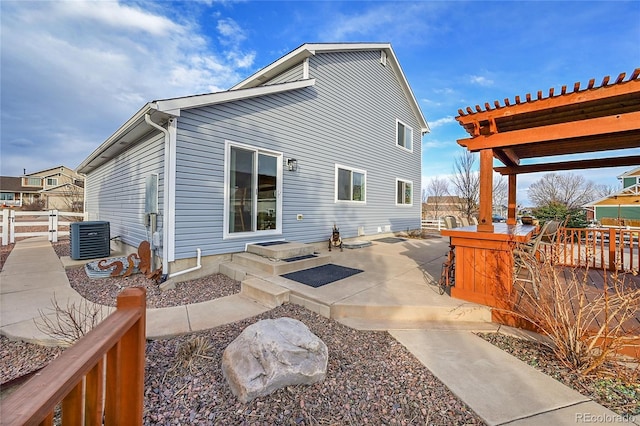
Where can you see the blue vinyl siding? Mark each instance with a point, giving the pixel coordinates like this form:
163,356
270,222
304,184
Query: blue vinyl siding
347,118
116,190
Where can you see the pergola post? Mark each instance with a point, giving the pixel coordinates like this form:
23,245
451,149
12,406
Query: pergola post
485,223
511,203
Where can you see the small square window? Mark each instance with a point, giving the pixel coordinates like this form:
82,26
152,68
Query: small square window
350,184
404,135
404,192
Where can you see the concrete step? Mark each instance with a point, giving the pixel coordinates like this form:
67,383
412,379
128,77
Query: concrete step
275,266
264,292
238,272
400,324
409,313
281,251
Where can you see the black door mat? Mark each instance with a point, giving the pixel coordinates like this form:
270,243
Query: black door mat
271,243
390,240
321,275
303,257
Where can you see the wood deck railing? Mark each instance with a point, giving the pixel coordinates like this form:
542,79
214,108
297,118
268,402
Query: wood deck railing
99,380
598,248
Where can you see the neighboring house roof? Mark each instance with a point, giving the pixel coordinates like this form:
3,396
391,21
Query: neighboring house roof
159,112
625,196
13,184
445,199
634,172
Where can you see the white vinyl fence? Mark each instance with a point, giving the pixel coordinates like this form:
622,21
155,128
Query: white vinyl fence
52,220
433,224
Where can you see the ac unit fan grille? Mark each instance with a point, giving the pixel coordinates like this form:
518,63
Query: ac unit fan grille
90,240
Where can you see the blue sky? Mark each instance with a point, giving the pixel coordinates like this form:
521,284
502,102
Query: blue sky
73,72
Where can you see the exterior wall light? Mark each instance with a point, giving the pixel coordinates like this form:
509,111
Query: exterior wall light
292,164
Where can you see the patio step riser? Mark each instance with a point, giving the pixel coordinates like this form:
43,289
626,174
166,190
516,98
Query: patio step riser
264,292
412,313
275,267
281,251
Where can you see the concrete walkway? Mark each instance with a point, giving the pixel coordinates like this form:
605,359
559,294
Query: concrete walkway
495,385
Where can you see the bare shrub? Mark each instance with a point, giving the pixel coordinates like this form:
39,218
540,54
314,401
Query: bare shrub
587,326
69,323
35,206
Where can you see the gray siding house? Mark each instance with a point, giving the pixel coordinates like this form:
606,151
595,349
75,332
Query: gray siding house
328,134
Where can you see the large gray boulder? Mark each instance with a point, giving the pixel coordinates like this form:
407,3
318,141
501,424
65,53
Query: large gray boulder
272,354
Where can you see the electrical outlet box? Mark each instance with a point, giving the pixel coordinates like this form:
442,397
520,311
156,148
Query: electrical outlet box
299,217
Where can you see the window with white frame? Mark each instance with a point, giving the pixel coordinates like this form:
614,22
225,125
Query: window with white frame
350,184
404,192
33,181
52,181
404,135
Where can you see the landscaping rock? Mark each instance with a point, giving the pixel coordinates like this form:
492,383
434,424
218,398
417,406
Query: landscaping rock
272,354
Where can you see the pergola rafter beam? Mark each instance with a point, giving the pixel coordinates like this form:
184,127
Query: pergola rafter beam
595,163
556,132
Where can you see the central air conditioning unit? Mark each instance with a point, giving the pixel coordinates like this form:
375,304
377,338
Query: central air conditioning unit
90,240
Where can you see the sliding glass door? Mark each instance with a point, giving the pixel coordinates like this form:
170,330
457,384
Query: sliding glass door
253,182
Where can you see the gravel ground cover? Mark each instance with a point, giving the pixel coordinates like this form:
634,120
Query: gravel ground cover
371,379
105,290
619,390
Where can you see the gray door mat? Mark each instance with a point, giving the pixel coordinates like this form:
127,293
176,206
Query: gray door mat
303,257
390,240
271,243
321,275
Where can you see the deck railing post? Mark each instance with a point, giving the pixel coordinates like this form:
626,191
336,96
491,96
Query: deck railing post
130,368
612,249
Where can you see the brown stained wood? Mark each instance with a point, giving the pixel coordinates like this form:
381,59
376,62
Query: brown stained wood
507,102
551,90
576,87
517,100
478,108
605,81
72,406
47,421
563,91
528,97
460,111
487,107
38,397
558,133
113,391
496,104
620,78
591,83
539,95
568,165
94,388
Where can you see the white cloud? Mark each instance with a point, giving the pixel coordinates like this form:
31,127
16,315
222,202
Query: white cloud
88,66
481,80
441,122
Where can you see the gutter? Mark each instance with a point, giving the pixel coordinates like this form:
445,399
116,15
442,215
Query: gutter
165,262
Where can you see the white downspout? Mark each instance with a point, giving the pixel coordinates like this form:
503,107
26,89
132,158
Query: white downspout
147,119
195,268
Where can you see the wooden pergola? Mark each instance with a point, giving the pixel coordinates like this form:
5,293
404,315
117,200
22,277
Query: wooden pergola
594,119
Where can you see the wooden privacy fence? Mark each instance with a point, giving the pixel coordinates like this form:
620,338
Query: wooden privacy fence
613,249
47,223
99,380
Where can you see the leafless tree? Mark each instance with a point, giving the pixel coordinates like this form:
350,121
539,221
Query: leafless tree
436,188
466,182
570,190
601,190
500,191
73,197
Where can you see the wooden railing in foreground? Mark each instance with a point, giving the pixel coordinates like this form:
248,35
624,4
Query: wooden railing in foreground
599,248
100,378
